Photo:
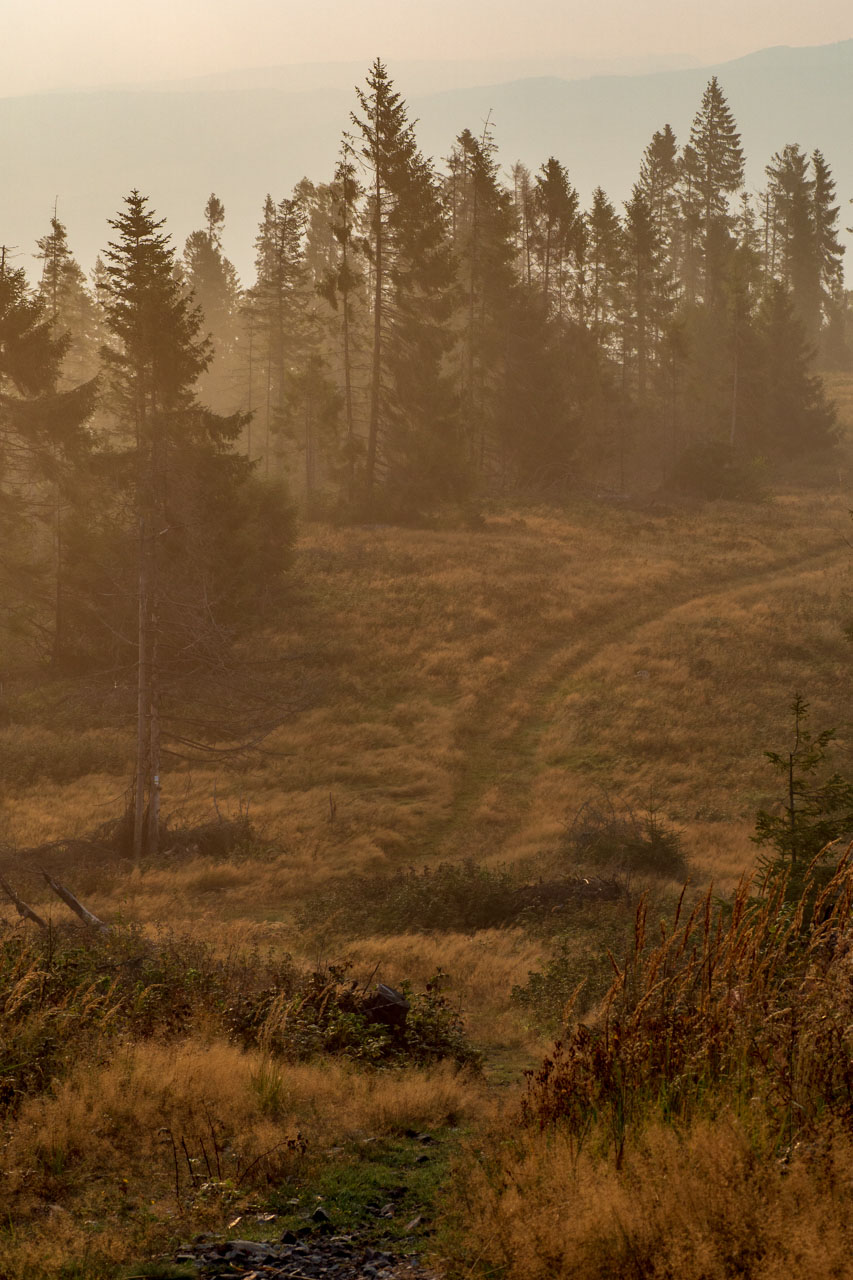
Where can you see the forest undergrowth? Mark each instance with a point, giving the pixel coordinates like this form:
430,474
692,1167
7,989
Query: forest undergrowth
491,744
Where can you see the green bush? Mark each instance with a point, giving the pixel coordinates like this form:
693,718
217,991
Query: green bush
578,971
329,1012
567,984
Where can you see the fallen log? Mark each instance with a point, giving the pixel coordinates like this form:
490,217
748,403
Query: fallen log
76,906
21,906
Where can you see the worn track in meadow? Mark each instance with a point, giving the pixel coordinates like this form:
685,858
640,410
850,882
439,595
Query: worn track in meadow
500,743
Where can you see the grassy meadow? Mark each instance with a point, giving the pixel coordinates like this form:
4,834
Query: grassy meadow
441,715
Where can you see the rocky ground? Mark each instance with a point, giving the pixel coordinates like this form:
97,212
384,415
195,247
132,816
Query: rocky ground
324,1256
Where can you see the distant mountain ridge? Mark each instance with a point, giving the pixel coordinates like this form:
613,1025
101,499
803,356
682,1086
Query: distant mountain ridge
423,76
89,148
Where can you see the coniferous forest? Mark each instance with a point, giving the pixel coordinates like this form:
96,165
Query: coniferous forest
420,333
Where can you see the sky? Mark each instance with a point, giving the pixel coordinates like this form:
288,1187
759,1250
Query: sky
57,44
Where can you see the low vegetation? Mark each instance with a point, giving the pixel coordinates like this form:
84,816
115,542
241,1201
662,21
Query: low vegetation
719,1062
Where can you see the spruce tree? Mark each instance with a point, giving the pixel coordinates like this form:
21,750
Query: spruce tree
69,304
796,417
341,284
646,292
412,430
483,229
193,553
830,255
44,441
525,220
658,181
215,287
155,361
605,265
712,170
791,192
276,313
557,225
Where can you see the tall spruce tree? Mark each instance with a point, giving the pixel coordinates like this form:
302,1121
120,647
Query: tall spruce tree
605,266
525,220
412,431
658,181
186,486
557,227
796,417
70,305
44,440
795,257
646,292
154,363
341,284
830,256
276,315
712,170
483,229
214,284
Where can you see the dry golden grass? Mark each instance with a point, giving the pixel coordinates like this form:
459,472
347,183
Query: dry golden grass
483,968
466,692
699,1127
708,1204
466,689
90,1168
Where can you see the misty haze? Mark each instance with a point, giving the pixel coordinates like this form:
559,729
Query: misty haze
426,785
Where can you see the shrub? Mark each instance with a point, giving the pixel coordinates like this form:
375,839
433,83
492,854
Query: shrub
69,995
333,1013
454,896
616,838
816,810
577,975
711,469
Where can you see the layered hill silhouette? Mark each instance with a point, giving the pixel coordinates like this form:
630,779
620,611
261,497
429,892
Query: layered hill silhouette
245,134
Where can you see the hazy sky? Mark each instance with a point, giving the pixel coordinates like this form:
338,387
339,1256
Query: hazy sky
49,44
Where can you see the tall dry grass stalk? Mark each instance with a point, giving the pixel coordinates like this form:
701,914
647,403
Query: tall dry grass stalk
708,1202
700,1127
745,1000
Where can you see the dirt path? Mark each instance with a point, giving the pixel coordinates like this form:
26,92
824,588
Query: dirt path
501,739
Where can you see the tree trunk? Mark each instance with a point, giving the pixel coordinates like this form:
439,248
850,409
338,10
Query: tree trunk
735,372
376,372
345,292
142,693
152,842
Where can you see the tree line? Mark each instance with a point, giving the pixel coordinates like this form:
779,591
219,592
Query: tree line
416,335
